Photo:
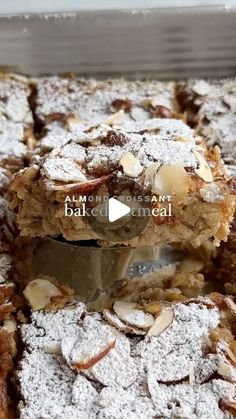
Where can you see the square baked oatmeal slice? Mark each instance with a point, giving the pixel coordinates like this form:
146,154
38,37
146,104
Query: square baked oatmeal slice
157,157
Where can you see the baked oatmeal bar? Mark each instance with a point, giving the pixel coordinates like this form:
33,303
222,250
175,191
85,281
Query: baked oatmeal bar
146,361
224,268
163,157
92,102
210,106
16,121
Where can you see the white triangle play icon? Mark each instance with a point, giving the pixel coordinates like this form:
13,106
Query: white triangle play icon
116,210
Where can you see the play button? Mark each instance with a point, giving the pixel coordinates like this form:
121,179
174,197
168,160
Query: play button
120,216
117,210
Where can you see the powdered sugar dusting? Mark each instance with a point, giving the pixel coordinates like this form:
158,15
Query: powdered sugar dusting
159,384
15,117
92,101
159,142
216,103
63,169
47,330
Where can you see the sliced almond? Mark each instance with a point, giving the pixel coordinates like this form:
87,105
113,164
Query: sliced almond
231,305
204,170
114,320
183,139
230,356
131,165
233,346
86,363
229,405
227,371
124,104
150,174
128,312
161,323
171,181
39,292
115,118
74,122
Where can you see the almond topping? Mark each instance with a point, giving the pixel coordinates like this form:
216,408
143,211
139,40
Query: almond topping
171,181
115,321
230,356
124,104
73,122
159,111
231,305
131,165
128,312
115,118
89,362
228,405
204,170
227,371
39,292
161,323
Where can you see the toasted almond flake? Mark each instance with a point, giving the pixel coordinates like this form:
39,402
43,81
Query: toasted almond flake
161,323
183,139
150,174
228,405
128,312
171,181
204,170
230,356
131,165
230,304
115,118
227,371
86,363
39,292
74,122
114,320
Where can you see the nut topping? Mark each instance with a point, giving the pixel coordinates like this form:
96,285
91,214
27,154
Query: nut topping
204,171
161,323
159,111
115,118
131,165
39,292
115,321
171,181
128,312
227,371
124,104
230,356
228,405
